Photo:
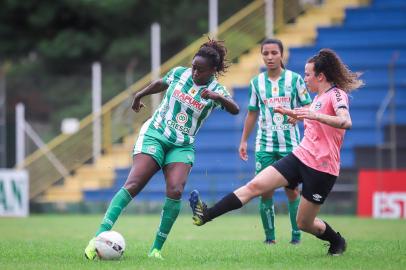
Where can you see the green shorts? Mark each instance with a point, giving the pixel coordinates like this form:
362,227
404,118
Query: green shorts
163,151
264,159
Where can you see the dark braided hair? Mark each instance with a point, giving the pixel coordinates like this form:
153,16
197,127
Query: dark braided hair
215,51
328,63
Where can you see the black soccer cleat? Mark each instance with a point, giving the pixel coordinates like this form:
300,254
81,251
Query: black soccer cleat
337,249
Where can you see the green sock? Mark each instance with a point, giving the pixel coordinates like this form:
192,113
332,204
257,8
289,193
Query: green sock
169,214
266,209
117,204
292,214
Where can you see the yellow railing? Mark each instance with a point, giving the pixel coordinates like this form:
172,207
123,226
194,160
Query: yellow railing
240,32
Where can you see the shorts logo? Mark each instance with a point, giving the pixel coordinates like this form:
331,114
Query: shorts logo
258,166
151,149
317,106
317,197
278,118
181,118
189,157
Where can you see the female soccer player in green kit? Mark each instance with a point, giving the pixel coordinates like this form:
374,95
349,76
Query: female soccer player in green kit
166,140
277,135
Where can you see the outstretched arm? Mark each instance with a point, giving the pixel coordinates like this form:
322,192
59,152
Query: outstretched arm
342,119
153,88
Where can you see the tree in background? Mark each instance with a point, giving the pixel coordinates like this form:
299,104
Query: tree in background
51,45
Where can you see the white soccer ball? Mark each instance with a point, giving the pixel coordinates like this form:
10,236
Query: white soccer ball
110,245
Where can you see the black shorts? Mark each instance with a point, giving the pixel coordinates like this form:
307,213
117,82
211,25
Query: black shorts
316,184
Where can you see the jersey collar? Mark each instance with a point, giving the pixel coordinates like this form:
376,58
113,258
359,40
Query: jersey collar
281,76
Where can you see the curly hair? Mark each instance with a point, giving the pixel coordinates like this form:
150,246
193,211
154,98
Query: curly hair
216,52
328,63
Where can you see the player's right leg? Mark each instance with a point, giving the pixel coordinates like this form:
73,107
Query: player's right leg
143,168
267,180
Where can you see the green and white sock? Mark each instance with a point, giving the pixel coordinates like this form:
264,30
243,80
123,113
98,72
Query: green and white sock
117,204
169,214
292,214
266,209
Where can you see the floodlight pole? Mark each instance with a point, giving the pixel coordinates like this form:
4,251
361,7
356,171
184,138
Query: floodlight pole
20,131
96,109
3,124
155,62
269,18
213,18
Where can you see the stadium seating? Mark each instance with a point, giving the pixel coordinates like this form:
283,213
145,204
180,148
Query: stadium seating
367,41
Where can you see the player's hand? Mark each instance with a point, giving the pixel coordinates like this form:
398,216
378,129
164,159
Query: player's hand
243,151
137,104
280,109
207,94
292,120
305,113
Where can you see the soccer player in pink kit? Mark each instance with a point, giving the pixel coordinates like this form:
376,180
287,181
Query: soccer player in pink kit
315,162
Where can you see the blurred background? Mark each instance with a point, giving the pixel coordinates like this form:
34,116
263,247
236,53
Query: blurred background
68,70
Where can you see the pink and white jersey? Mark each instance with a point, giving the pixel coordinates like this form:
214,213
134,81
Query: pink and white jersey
321,144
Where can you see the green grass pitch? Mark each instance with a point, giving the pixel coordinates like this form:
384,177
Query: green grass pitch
229,242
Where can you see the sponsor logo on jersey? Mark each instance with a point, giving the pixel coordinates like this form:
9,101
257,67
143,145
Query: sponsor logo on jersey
278,118
178,127
280,127
275,101
181,118
338,95
188,100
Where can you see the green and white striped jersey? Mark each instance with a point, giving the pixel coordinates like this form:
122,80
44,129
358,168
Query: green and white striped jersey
182,110
274,133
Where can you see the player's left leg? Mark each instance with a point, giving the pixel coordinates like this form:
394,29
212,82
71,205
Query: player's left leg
176,176
293,202
315,189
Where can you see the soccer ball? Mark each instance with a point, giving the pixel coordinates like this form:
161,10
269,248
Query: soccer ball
110,245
